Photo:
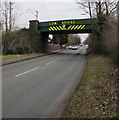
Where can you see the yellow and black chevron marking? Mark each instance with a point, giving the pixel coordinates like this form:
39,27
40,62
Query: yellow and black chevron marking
71,27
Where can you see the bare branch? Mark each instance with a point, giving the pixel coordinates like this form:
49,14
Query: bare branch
113,9
80,3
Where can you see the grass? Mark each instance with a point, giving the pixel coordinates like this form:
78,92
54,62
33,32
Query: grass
96,95
7,57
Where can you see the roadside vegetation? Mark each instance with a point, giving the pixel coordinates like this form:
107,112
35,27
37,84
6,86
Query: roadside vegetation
21,41
52,47
96,95
7,57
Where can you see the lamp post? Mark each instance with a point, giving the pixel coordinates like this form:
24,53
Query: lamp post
36,14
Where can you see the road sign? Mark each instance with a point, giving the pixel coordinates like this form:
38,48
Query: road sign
74,25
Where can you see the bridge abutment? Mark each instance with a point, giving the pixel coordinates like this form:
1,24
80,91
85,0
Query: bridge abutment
44,42
39,38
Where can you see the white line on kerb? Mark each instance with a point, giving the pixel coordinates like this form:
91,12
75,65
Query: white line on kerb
27,72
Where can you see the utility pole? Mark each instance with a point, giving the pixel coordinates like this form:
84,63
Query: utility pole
10,16
6,17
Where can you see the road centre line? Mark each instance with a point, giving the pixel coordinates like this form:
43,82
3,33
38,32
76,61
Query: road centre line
37,67
60,58
27,72
51,62
54,61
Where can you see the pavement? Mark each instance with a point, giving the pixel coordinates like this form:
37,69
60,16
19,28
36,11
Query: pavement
41,87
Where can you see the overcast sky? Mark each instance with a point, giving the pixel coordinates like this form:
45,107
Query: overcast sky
48,10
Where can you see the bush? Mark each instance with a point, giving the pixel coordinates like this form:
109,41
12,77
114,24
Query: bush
19,50
26,50
10,52
21,41
109,40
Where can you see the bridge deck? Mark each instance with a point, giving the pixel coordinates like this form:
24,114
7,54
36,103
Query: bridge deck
68,26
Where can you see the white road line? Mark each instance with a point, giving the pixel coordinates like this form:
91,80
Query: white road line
37,67
51,62
27,72
60,58
54,61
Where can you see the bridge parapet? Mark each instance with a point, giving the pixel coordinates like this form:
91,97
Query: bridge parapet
34,25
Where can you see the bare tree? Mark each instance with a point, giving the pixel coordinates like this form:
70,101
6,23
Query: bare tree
5,13
102,10
8,19
98,6
118,36
9,14
74,39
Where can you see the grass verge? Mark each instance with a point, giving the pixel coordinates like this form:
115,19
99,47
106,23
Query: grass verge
7,57
96,95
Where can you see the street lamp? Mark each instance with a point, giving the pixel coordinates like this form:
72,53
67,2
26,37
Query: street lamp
36,15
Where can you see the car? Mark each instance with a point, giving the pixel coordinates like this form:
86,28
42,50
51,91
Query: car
82,44
75,47
69,47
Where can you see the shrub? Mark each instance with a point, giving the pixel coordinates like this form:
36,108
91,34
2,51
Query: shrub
19,50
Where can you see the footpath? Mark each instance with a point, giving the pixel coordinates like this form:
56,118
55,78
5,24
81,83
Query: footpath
27,57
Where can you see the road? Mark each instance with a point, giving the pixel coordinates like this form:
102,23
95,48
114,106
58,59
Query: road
39,87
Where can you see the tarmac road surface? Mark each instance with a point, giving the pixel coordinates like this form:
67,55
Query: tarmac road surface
40,87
